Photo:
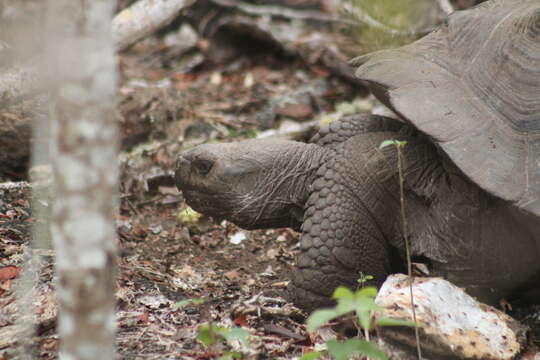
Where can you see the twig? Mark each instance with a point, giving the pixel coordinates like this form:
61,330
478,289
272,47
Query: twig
14,185
407,247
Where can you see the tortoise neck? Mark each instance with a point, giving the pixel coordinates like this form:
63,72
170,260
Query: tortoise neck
298,172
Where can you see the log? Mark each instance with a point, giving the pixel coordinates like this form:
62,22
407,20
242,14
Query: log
143,18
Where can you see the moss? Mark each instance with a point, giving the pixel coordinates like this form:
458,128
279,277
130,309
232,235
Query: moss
400,21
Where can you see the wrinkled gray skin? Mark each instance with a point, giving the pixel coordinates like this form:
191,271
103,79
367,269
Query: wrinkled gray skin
344,192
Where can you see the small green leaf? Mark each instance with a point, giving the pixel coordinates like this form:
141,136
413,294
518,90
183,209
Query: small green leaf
396,143
401,143
342,293
366,303
386,143
320,317
368,291
229,355
252,134
345,306
206,330
183,303
204,335
344,350
186,302
364,318
364,278
189,217
221,331
394,322
237,355
237,334
312,355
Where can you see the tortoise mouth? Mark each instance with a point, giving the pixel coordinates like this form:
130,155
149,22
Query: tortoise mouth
219,207
182,174
205,203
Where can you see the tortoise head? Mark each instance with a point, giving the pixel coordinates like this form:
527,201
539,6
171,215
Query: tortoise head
254,183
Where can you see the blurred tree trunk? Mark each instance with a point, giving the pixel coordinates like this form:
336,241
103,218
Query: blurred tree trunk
81,67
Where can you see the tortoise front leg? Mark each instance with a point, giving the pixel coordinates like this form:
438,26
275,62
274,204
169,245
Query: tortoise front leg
350,215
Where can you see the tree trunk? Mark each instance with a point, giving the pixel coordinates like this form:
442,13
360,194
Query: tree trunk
84,135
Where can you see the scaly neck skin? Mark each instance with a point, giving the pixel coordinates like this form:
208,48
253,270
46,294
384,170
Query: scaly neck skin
283,198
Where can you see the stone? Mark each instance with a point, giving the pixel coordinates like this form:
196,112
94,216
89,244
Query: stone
452,324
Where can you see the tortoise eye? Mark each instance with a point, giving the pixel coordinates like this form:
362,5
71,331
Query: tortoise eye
203,166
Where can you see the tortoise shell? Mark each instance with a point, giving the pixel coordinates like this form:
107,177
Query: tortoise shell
473,86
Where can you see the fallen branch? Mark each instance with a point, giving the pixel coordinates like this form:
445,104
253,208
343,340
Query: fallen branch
10,186
280,11
143,18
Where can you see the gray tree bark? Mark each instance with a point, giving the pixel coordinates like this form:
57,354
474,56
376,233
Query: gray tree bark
84,135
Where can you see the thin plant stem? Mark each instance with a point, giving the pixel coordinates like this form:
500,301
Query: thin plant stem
407,247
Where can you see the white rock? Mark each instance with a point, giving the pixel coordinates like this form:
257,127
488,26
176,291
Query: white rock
452,324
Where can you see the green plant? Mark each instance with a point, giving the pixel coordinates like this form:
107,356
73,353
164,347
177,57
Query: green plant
363,279
399,147
249,133
212,335
362,303
312,355
186,302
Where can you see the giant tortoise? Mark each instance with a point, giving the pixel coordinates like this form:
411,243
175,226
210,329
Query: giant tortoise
468,96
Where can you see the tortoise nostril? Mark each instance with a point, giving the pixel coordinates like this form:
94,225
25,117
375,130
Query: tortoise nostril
182,162
202,166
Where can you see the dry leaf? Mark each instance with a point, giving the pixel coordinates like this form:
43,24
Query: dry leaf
9,272
232,275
